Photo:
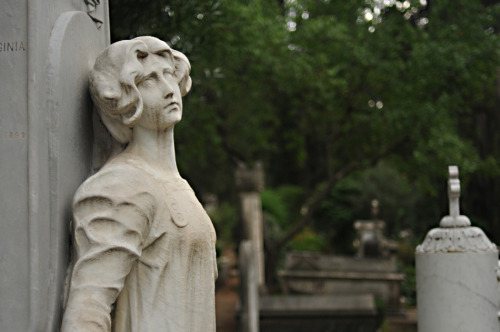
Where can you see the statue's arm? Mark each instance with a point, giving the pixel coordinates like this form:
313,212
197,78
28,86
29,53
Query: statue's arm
108,237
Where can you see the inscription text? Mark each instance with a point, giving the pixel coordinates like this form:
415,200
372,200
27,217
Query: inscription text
12,46
17,134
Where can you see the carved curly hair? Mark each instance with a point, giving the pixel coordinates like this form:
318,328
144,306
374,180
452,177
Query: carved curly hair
113,81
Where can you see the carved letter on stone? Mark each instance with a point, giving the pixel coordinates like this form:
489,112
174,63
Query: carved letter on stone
143,247
92,6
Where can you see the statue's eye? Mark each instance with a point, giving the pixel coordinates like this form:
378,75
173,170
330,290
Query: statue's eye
168,73
147,82
141,55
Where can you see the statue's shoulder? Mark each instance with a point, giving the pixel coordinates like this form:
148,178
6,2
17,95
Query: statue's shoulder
122,178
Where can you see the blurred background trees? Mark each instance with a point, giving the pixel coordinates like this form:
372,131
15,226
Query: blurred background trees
343,102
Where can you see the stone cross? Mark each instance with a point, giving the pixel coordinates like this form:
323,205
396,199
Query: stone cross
454,219
454,191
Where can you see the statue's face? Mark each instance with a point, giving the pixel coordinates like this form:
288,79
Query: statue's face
160,93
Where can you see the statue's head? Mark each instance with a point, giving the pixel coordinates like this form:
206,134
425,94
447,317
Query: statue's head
115,77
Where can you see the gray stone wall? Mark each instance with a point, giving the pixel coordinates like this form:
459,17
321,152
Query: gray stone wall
46,50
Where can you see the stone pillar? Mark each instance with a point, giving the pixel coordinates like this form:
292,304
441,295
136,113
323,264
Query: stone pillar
47,48
250,183
456,279
249,290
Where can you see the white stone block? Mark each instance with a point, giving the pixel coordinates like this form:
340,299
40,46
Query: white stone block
456,292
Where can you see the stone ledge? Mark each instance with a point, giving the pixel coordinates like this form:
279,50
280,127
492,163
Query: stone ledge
341,275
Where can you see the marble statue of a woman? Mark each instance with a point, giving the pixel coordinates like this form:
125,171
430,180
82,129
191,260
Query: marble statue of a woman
143,247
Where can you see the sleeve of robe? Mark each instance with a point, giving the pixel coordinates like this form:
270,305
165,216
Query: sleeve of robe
112,212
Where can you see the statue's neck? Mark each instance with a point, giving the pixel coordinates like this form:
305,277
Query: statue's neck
156,148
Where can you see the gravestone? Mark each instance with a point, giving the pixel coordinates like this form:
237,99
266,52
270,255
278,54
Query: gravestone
456,278
372,271
47,48
318,274
370,238
318,313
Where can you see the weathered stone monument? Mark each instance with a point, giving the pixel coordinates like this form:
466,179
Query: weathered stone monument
318,301
370,238
250,182
46,51
249,296
314,273
373,270
143,254
456,278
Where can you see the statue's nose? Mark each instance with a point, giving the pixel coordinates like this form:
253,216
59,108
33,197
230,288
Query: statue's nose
166,88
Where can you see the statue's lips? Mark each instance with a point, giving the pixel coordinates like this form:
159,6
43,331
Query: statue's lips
173,106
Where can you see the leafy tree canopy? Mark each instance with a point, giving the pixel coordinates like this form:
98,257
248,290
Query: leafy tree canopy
323,90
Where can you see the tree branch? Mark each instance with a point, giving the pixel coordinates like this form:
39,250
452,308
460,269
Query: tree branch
315,203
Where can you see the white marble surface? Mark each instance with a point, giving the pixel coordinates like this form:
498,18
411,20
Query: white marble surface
144,248
457,292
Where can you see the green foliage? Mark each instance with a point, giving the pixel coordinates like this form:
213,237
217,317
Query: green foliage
396,195
335,217
308,240
406,261
409,285
225,219
281,207
351,199
310,87
232,46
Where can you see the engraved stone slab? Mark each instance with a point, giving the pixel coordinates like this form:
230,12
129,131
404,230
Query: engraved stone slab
14,266
74,44
46,50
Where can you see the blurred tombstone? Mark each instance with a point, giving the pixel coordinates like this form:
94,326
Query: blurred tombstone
370,238
250,182
456,274
373,271
47,48
319,274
